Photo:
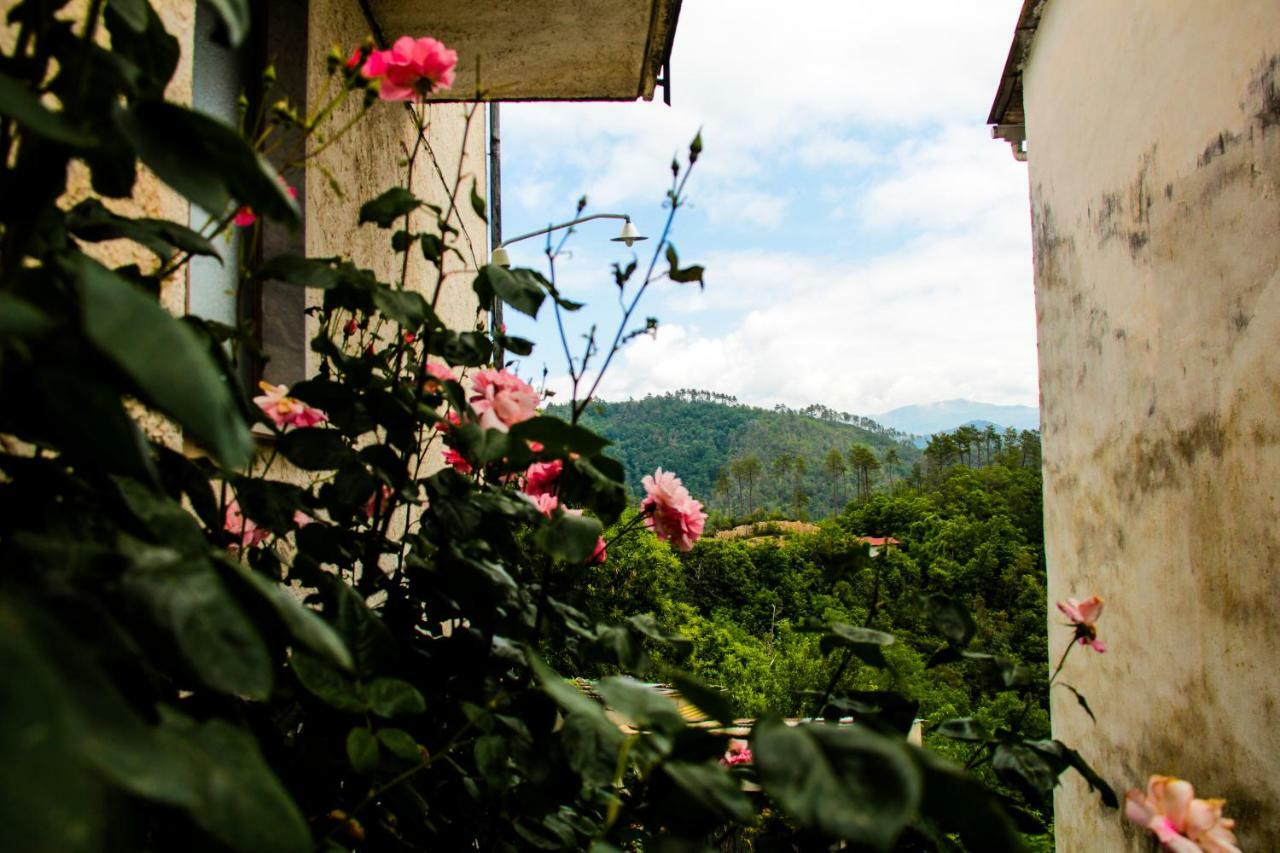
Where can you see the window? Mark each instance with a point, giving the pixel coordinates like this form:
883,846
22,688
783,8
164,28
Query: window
219,76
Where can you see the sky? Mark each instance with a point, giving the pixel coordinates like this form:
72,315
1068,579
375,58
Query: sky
867,243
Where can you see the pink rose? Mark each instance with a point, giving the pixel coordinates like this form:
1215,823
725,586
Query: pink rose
301,519
436,376
542,478
377,503
1083,615
547,503
411,68
1170,811
457,461
502,399
738,753
670,511
286,411
355,59
245,216
244,529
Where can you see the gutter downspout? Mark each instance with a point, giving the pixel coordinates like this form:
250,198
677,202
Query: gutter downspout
495,217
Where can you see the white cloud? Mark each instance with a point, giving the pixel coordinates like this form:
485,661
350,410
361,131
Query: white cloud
866,116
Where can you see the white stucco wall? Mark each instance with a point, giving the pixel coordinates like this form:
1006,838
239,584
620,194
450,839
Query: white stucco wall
1154,142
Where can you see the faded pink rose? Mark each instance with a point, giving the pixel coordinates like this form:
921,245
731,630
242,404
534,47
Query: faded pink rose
457,461
411,68
1170,810
378,501
542,478
670,511
1083,615
246,531
286,411
502,399
301,519
738,753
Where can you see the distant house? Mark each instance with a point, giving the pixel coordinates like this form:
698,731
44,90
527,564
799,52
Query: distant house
879,543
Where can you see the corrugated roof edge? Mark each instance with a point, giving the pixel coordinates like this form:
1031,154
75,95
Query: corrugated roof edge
1007,117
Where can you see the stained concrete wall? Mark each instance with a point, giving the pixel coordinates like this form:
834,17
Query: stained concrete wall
1154,142
367,161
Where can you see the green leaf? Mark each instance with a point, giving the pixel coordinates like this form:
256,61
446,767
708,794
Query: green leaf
162,356
150,52
187,598
391,697
1002,670
1064,756
951,618
92,222
326,683
591,745
644,706
964,728
205,160
401,744
270,503
477,202
569,537
304,625
686,275
1081,701
388,207
845,782
559,438
235,17
515,287
19,318
132,12
716,704
591,741
713,787
362,750
432,248
369,640
70,717
405,307
1028,770
961,804
306,272
315,449
865,642
23,106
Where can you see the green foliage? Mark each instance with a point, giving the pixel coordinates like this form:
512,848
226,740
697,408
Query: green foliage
711,439
199,652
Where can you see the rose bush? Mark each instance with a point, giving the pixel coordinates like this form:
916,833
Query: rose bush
199,652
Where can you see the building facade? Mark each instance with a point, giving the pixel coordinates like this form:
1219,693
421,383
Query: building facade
1152,137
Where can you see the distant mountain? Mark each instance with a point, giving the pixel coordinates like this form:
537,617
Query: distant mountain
697,433
946,415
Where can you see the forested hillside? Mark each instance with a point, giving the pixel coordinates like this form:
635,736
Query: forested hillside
743,460
970,527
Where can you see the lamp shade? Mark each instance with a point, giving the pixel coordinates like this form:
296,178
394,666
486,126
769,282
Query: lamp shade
629,234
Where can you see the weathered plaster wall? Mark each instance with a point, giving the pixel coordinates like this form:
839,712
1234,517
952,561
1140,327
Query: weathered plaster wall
367,161
1154,141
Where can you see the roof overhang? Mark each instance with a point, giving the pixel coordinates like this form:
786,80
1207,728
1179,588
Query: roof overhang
542,50
1007,118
